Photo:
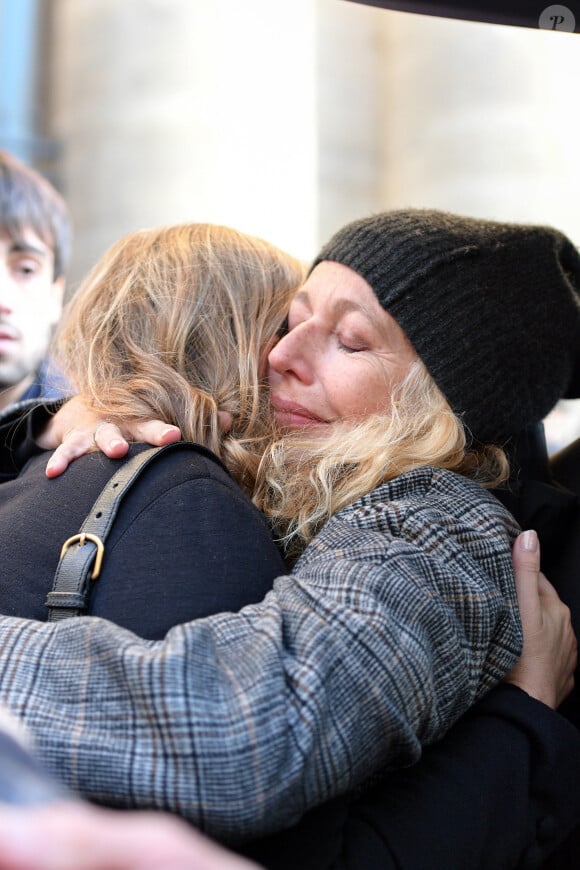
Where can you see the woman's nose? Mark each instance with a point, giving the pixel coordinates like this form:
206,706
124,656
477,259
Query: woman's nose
281,354
290,355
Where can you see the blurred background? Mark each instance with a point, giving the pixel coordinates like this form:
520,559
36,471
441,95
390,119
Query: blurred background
288,119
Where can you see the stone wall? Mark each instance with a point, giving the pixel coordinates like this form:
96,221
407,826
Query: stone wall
287,119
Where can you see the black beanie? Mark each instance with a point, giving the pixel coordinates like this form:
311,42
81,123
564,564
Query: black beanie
492,309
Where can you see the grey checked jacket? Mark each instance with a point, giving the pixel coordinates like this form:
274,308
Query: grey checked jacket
398,616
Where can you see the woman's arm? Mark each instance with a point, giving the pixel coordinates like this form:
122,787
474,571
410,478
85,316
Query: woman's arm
517,732
240,722
498,791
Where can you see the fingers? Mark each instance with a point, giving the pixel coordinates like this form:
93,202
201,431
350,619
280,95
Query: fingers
153,432
546,667
526,562
74,445
526,552
108,438
77,442
531,584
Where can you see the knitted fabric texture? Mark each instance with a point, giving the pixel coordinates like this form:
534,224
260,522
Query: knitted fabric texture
492,309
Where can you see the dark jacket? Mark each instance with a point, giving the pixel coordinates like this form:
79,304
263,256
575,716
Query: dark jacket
499,791
186,541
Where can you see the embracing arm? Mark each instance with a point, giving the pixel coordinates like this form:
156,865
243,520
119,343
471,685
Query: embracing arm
433,819
242,721
498,791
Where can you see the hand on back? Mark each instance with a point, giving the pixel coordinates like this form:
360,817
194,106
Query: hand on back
76,430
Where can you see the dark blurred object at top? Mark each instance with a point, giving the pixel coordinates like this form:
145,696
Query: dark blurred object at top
522,13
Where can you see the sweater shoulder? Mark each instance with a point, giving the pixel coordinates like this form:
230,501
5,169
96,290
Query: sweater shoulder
427,491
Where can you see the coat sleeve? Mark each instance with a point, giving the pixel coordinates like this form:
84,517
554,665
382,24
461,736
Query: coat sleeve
242,721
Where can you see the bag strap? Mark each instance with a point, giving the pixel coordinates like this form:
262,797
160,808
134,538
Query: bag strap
82,554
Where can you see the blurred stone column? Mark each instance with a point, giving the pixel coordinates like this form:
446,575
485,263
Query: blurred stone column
480,119
350,111
289,119
173,111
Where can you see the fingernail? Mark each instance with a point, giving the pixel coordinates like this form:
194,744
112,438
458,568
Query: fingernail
116,442
529,541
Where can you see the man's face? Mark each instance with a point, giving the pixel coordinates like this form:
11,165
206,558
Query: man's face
30,305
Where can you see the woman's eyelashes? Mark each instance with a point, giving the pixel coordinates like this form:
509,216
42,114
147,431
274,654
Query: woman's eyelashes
346,347
282,329
351,343
345,341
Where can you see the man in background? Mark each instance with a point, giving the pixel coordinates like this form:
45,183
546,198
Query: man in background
35,235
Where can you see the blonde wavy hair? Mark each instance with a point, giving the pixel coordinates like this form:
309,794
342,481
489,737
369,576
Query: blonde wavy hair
305,477
174,323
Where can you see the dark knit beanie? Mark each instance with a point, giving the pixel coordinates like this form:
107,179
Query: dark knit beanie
492,309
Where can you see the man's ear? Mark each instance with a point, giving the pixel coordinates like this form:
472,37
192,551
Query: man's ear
57,297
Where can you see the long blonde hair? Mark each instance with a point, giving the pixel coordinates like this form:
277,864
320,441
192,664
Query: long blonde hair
306,477
174,323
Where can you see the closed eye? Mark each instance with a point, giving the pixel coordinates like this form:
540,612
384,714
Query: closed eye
351,344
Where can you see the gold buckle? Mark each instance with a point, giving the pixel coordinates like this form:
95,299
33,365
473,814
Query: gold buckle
82,538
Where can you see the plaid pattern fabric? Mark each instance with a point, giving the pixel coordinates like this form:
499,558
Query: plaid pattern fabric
396,619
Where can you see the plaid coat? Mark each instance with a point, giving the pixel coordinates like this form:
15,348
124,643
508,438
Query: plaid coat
395,620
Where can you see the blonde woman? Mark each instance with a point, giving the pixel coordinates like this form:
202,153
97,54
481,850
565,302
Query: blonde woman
401,612
173,322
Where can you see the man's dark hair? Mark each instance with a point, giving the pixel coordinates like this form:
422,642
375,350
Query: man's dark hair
28,200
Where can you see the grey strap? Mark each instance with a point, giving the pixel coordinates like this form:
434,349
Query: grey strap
82,554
